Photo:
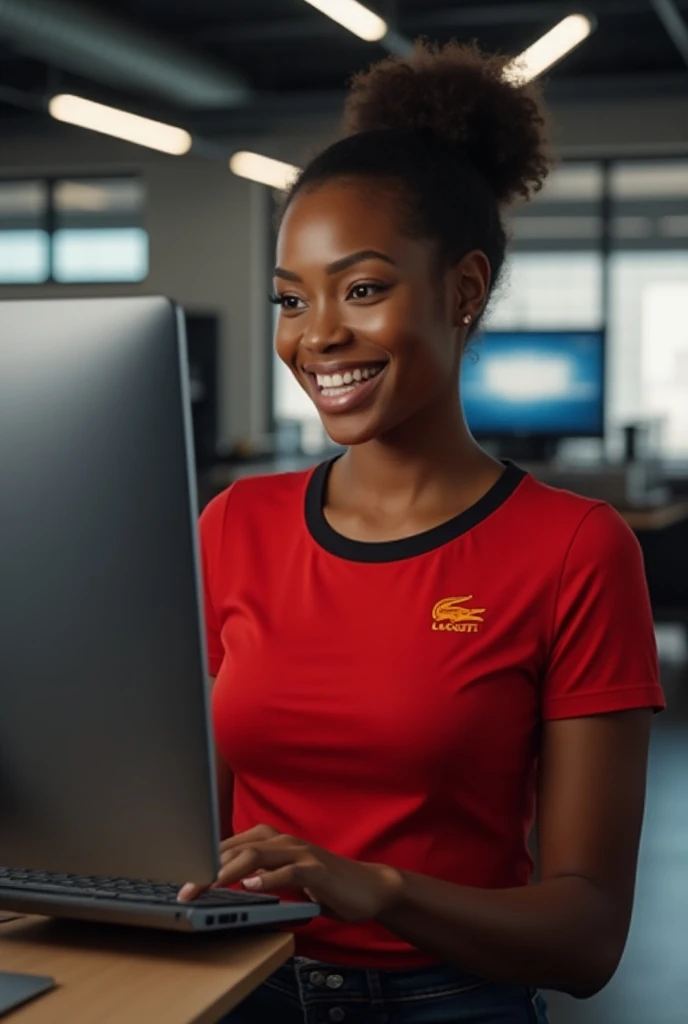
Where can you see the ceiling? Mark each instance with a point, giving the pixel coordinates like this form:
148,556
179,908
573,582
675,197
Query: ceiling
268,60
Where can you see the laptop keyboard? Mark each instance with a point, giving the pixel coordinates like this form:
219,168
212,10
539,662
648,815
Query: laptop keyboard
123,889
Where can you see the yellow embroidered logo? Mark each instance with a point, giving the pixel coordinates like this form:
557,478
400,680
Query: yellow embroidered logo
450,614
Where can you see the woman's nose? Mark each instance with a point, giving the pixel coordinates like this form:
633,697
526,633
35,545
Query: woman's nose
325,330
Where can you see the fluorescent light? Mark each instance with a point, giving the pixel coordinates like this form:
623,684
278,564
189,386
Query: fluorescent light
550,48
120,124
263,169
354,16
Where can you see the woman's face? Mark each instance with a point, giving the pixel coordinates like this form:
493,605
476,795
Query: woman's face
367,325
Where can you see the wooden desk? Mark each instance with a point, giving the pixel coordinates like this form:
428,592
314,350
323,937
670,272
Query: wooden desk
110,975
656,518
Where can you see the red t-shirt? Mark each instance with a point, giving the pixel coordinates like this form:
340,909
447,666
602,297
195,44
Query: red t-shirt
382,700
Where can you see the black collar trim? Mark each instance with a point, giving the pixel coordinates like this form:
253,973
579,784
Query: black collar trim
406,547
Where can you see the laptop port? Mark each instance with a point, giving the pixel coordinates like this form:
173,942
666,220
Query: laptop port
227,919
243,917
210,919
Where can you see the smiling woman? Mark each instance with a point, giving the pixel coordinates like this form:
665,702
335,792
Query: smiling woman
419,648
457,166
338,385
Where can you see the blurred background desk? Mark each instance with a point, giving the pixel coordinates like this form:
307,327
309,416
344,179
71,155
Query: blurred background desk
656,518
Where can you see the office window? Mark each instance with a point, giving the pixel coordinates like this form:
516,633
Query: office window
566,216
648,343
548,290
24,242
554,272
648,330
98,230
650,205
77,230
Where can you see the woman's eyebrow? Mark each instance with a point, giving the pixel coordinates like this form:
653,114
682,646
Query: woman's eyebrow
336,268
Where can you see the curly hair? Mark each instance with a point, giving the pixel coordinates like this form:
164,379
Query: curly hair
460,135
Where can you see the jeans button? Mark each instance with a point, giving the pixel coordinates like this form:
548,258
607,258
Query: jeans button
336,1014
316,978
334,981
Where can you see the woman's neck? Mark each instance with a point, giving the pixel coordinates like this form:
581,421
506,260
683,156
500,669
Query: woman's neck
428,462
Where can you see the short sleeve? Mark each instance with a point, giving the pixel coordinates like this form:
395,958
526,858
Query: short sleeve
603,654
211,531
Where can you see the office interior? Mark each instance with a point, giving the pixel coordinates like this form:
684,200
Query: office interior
585,342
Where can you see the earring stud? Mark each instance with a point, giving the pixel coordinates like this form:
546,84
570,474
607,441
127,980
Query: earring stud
467,319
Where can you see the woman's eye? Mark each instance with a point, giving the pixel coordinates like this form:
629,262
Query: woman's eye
365,291
288,302
294,304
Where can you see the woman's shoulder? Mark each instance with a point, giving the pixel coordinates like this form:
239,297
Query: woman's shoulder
570,506
578,521
262,495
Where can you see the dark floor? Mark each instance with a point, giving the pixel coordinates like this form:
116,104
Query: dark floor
651,985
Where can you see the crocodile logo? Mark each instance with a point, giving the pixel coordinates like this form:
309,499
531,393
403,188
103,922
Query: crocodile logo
451,615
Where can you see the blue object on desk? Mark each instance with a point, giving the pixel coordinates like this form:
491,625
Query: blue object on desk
16,989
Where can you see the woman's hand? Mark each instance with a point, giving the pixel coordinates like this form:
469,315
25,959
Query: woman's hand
263,860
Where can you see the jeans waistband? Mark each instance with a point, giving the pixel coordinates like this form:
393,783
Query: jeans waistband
308,981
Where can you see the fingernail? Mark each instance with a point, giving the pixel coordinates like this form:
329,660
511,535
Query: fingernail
252,883
186,891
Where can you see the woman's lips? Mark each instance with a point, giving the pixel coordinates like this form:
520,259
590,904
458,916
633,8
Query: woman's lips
348,396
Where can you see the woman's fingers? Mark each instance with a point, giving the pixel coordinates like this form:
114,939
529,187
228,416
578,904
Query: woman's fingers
249,853
249,860
190,891
266,881
254,835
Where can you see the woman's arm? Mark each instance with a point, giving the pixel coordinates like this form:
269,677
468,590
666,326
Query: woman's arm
225,787
567,931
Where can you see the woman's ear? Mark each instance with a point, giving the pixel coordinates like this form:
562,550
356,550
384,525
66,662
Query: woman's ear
472,277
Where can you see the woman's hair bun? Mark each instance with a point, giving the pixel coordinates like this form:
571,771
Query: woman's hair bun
462,96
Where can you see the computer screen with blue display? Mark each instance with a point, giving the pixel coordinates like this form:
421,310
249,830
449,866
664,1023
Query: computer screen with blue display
535,384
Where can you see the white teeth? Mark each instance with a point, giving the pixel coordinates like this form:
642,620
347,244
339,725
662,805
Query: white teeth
334,392
338,383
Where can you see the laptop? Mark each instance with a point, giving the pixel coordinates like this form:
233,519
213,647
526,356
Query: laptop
107,786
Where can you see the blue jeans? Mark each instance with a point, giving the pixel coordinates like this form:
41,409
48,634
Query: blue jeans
309,992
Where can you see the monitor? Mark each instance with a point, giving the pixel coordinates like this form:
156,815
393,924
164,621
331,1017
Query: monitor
105,754
535,384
